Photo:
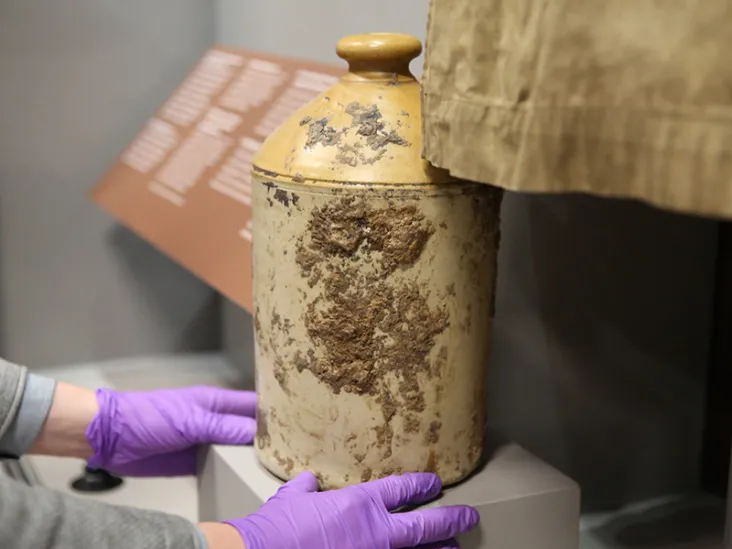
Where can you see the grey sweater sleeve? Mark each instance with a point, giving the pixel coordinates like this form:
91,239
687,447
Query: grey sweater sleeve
39,518
25,400
12,385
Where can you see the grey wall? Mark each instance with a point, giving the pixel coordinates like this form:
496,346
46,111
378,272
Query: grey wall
238,340
310,29
603,307
601,336
78,78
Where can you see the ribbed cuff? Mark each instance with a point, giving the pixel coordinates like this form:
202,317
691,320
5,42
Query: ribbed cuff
32,414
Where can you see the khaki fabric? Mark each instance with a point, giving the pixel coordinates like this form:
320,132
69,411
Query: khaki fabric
622,98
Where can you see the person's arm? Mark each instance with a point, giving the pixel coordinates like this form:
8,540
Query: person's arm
40,518
64,431
25,401
40,416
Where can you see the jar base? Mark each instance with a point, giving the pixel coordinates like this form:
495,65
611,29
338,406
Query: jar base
325,483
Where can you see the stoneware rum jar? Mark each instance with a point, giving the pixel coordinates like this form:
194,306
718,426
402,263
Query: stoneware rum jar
374,277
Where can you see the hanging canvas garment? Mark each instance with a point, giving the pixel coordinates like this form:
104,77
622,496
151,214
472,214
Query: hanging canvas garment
618,98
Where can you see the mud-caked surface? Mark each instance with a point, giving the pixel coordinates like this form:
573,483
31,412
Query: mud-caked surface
319,132
274,340
371,332
399,234
369,135
375,326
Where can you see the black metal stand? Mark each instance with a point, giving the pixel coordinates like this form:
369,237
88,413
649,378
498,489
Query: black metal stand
96,480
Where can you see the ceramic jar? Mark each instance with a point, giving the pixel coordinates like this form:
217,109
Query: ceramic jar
374,277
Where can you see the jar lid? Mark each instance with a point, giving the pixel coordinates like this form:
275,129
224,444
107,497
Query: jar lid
365,129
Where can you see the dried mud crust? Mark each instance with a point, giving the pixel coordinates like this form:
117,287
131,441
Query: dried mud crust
373,329
348,225
372,333
373,133
272,341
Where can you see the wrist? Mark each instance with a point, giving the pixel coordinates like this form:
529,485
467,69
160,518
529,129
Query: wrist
30,416
221,536
64,431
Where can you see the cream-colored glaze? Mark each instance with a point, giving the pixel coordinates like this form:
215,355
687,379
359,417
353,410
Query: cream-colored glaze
383,80
400,407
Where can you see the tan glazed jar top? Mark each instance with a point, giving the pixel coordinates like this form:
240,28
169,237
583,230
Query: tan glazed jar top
365,129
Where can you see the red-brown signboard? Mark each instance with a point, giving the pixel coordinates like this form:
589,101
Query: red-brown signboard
183,184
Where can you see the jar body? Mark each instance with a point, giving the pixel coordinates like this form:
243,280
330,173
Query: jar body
373,318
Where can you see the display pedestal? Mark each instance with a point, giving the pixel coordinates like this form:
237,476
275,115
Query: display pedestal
523,502
681,521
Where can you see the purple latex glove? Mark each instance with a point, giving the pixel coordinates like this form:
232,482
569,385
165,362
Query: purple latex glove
357,517
157,433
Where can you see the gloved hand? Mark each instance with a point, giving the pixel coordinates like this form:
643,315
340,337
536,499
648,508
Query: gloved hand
357,517
157,433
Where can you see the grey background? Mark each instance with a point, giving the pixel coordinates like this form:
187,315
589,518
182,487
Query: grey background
78,78
603,309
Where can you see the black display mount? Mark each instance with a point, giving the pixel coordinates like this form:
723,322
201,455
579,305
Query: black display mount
96,480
